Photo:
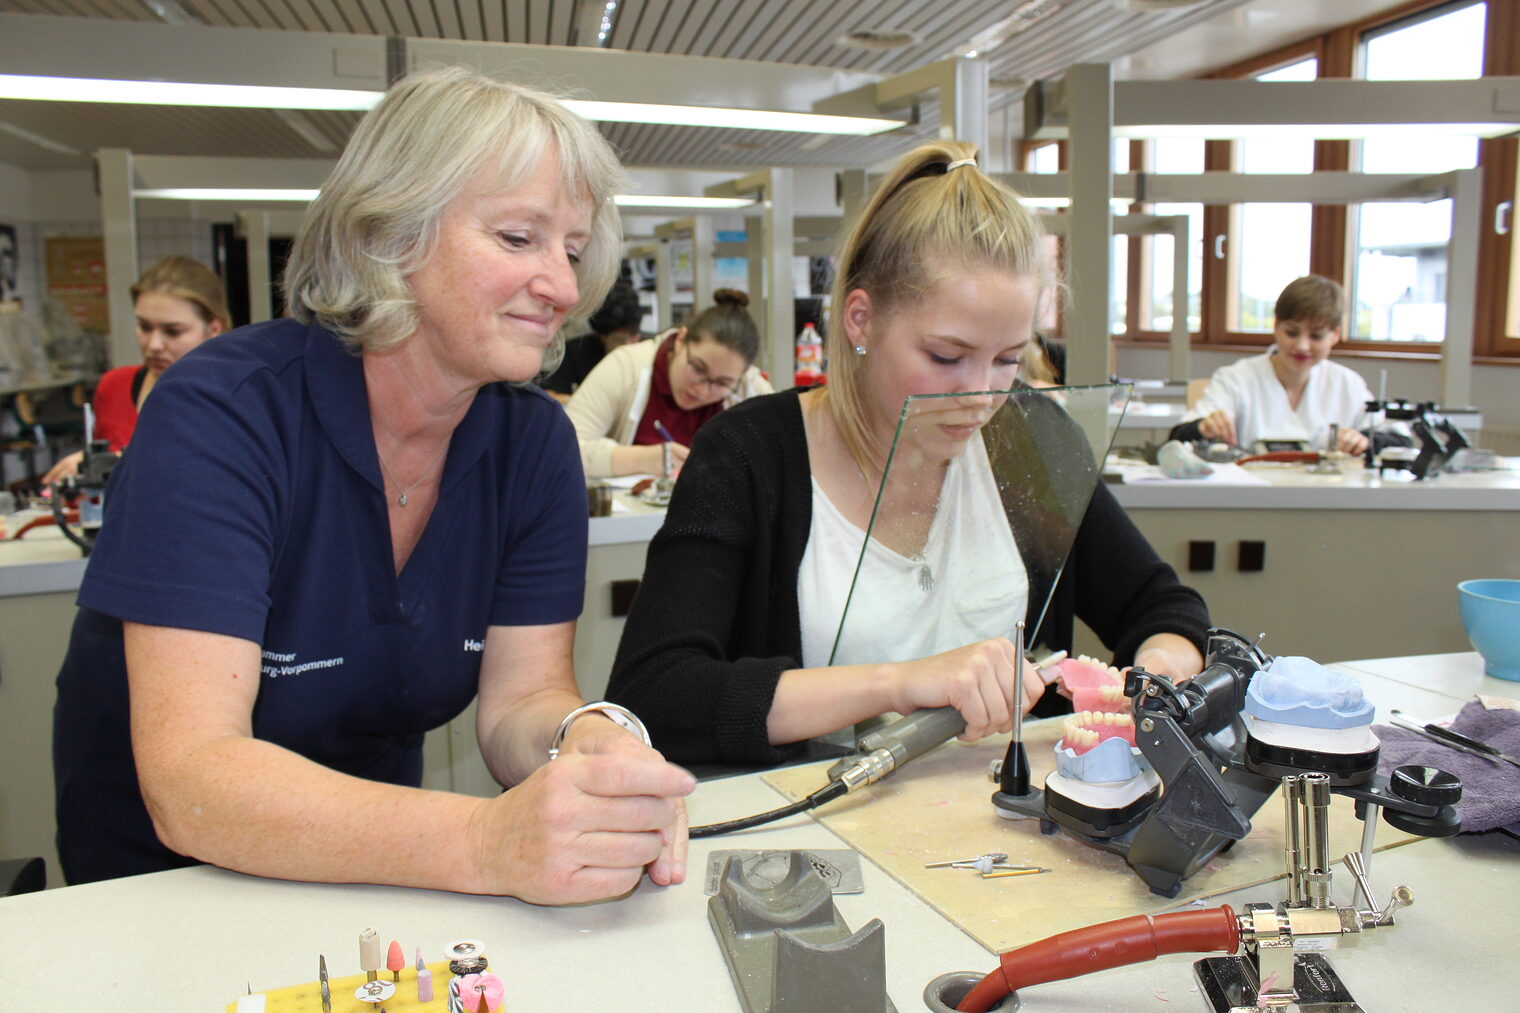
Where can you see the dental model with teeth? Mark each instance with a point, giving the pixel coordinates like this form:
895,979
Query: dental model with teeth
1093,685
738,648
1099,771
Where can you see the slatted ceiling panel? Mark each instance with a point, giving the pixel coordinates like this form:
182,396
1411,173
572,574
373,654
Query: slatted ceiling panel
223,13
493,20
634,18
467,18
127,10
696,33
560,27
425,15
786,33
745,29
316,15
446,15
352,18
675,28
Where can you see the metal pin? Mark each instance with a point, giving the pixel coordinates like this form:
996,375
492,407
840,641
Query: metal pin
966,863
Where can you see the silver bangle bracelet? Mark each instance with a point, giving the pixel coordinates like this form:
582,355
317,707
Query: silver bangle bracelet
616,713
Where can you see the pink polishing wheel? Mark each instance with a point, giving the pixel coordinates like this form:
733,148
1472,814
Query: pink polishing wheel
473,986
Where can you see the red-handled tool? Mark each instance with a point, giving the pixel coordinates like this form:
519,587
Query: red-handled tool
1108,944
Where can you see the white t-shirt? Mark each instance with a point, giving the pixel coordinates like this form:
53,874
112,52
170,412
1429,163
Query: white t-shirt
1251,394
968,583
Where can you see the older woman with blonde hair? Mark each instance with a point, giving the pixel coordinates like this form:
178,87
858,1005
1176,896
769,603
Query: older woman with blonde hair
374,520
729,651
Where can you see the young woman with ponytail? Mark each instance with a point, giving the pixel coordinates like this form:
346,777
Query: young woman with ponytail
726,654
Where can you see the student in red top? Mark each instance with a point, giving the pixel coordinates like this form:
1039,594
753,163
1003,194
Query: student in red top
179,303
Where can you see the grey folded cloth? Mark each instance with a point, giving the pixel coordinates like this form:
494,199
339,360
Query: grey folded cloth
1490,787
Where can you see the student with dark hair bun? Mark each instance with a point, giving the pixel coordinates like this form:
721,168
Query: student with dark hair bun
615,324
642,405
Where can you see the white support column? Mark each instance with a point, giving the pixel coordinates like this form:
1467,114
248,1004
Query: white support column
1089,252
254,226
1180,347
664,285
702,266
118,222
778,340
1461,287
754,261
963,106
854,188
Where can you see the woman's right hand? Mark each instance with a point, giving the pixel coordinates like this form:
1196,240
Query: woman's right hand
63,468
662,454
977,680
582,827
1218,427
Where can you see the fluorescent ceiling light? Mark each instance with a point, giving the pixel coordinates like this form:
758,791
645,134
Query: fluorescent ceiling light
625,200
211,193
173,93
735,119
306,196
244,96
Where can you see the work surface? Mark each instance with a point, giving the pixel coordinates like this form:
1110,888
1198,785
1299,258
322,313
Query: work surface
190,940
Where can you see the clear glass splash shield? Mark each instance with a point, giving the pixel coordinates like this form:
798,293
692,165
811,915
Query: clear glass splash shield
975,517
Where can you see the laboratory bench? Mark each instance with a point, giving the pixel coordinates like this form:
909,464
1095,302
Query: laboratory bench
1333,566
193,940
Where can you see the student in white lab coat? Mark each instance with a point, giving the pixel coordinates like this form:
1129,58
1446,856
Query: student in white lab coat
1292,391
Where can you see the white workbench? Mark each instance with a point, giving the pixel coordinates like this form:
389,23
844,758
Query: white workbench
189,940
1355,566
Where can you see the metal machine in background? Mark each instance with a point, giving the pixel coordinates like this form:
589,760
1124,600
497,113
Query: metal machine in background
86,489
1433,441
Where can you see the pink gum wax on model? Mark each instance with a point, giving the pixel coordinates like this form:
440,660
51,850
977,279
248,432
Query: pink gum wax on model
1093,685
473,986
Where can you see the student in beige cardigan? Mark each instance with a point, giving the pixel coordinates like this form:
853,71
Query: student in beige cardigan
643,402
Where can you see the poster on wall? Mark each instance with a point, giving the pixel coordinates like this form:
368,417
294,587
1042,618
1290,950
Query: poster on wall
10,260
76,277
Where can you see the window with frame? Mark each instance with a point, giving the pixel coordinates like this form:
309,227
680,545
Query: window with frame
1270,243
1172,155
1399,250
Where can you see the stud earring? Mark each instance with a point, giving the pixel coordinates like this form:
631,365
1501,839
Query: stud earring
860,349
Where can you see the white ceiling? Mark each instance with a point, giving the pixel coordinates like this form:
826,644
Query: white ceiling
1043,38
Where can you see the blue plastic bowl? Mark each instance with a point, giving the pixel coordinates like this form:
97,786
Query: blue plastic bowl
1491,616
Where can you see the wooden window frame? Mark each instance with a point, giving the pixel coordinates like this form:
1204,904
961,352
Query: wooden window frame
1331,241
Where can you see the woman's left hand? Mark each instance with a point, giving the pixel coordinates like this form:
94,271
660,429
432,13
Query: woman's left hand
1170,655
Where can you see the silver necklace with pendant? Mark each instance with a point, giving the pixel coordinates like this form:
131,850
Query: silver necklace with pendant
405,495
925,571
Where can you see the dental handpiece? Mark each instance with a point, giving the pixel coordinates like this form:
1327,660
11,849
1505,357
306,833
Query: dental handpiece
907,738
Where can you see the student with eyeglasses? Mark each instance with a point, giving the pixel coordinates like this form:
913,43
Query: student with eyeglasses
644,402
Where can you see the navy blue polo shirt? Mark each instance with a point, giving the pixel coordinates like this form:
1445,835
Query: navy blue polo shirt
250,503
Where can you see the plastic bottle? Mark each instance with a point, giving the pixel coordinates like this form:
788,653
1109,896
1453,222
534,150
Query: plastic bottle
809,358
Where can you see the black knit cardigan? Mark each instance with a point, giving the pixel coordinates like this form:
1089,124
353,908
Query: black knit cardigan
715,621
